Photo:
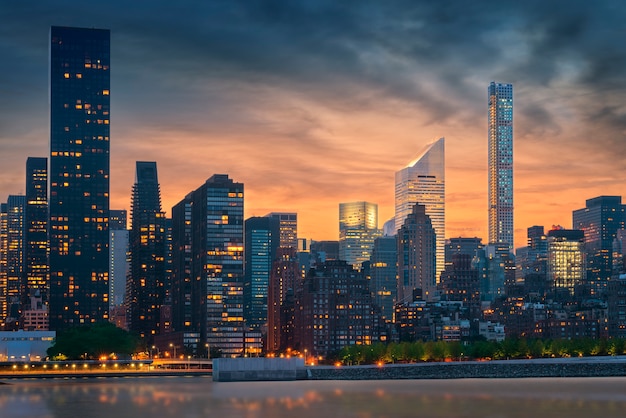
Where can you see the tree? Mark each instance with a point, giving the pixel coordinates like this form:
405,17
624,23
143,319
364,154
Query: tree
93,341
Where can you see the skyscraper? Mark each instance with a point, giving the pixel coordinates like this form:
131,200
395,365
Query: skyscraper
16,285
118,261
358,228
600,220
146,283
383,282
262,239
208,244
79,176
36,229
500,131
566,261
423,181
416,257
288,222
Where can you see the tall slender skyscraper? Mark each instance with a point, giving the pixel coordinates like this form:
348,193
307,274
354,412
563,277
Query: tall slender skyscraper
423,181
500,131
288,228
358,228
79,176
262,240
36,229
146,284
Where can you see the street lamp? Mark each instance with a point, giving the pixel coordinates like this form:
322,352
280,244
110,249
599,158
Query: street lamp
208,352
172,346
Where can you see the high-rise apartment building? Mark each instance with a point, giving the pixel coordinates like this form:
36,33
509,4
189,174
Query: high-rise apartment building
15,232
208,246
423,181
288,224
4,302
36,230
262,239
600,220
416,257
146,281
358,228
500,132
79,176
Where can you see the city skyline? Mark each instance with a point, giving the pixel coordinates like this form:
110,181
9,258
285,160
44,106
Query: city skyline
349,97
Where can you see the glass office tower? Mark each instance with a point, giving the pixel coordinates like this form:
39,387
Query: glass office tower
79,176
500,131
423,181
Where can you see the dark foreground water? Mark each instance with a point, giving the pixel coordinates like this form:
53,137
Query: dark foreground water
181,397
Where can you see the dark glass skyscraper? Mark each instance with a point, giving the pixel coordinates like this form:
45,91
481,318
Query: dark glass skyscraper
600,220
79,176
36,229
146,284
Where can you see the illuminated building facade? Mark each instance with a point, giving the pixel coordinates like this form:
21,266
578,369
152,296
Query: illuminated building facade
288,224
208,247
4,303
500,132
36,231
262,239
79,176
566,261
423,181
333,310
285,281
416,257
600,220
146,281
358,228
15,283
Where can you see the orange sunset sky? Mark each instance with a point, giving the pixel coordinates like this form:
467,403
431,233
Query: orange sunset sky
313,103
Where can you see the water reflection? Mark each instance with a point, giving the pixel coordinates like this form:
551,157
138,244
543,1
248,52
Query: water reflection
199,397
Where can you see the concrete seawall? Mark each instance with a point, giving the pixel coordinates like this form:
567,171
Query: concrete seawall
257,369
579,367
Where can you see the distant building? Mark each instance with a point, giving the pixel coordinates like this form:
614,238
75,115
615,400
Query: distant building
79,176
4,302
15,271
461,245
416,257
36,232
118,256
460,282
285,281
600,220
288,226
323,251
358,228
566,261
423,181
500,170
262,240
25,346
383,273
333,310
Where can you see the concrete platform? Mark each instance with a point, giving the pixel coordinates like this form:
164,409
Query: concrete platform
252,369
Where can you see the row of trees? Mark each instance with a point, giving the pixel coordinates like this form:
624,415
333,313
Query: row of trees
511,348
93,342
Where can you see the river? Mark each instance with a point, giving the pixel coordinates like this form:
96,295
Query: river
190,397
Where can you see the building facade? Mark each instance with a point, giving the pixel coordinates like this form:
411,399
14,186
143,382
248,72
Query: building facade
416,245
288,225
262,240
600,220
358,228
566,261
423,181
500,171
383,276
36,231
118,256
146,281
79,176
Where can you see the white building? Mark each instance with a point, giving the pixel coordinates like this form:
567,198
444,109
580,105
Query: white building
25,345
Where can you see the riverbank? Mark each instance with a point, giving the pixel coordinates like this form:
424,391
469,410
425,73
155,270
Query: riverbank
553,367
